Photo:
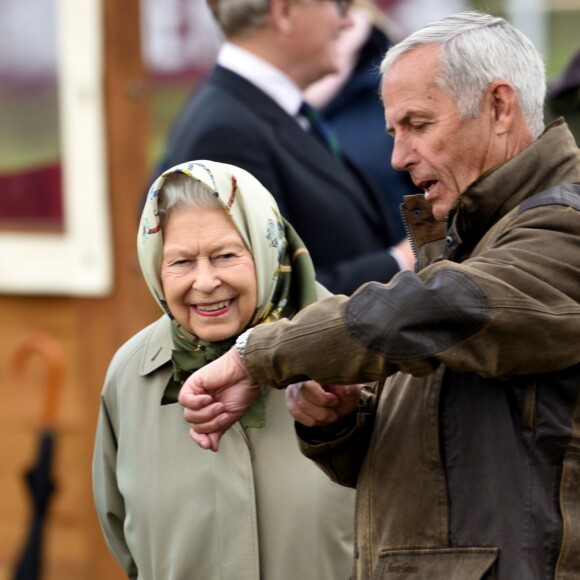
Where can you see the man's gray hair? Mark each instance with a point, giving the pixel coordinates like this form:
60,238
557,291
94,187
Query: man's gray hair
476,50
239,17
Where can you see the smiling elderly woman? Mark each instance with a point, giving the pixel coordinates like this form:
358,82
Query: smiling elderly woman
218,259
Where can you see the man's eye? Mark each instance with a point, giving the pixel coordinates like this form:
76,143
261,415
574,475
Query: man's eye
419,126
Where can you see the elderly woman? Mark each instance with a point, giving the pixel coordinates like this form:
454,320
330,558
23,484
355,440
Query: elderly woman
218,259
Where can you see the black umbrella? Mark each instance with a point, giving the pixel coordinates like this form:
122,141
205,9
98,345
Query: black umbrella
39,478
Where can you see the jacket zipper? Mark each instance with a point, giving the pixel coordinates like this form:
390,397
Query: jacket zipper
410,236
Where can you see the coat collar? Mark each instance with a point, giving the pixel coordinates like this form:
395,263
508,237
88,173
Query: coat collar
158,347
552,159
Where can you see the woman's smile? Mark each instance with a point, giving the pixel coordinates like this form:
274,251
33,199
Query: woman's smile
213,309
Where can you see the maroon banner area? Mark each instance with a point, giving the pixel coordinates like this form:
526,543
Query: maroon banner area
31,200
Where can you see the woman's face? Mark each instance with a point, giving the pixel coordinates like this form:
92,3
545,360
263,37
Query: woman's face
208,274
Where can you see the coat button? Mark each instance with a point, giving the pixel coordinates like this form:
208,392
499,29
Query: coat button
417,212
449,241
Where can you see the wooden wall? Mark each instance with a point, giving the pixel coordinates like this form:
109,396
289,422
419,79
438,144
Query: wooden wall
88,331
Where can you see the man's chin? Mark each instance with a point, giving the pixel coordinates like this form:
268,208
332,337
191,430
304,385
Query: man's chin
440,212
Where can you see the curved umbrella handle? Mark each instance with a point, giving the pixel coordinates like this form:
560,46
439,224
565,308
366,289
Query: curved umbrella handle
51,352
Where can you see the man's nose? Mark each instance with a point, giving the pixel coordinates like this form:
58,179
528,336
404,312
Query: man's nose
402,156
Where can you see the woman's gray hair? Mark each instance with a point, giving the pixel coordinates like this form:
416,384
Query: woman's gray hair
239,17
182,191
476,50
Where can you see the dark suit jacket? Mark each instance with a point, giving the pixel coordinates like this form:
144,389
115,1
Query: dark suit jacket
338,216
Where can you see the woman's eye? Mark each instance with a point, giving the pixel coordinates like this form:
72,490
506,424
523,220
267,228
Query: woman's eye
225,257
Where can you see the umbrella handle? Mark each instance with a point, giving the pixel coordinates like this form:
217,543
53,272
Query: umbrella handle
51,352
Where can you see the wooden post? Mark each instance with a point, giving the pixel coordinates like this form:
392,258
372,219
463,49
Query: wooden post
106,323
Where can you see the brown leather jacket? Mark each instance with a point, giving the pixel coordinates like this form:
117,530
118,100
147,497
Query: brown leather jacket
467,462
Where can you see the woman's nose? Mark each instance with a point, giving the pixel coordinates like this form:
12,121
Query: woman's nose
206,278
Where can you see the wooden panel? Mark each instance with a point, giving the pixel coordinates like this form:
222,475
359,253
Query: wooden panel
21,402
89,331
111,321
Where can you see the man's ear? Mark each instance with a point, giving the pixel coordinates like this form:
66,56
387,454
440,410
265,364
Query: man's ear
504,105
279,14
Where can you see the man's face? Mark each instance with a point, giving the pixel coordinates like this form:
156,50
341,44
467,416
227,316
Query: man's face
317,27
443,152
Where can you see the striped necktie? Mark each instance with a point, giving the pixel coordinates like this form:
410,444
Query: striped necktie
321,129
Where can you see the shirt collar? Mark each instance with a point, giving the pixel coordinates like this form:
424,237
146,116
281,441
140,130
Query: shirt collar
269,79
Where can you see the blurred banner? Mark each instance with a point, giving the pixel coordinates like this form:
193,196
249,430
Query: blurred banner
180,37
31,197
53,172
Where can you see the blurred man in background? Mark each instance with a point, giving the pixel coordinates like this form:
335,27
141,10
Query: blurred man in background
350,101
250,113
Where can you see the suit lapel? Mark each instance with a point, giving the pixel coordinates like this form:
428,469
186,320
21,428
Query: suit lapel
311,153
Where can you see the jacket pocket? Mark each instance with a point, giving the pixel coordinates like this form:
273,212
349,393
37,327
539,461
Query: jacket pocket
436,564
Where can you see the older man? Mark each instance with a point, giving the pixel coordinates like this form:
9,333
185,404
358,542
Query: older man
248,113
467,459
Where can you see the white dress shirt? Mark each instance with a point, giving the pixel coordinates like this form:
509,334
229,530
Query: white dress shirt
272,81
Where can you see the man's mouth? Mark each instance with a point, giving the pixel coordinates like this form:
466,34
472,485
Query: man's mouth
213,307
427,185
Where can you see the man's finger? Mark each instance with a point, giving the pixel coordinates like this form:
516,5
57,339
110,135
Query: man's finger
195,402
202,415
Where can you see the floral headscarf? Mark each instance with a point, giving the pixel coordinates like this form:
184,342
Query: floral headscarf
284,270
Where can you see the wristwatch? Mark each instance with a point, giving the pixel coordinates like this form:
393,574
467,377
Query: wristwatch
241,342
